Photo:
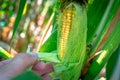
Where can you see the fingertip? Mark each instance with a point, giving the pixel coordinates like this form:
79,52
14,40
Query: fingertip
42,68
50,67
46,77
39,65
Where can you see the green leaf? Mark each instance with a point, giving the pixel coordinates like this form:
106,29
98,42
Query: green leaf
50,44
28,75
112,68
4,54
105,22
19,15
109,47
93,21
56,8
100,15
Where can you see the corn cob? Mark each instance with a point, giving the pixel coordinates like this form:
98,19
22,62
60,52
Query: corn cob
72,40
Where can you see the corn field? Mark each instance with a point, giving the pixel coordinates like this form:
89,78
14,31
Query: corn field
81,38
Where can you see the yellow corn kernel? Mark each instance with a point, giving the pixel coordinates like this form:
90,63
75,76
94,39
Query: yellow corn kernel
66,27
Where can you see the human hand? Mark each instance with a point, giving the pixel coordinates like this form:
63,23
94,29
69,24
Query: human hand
13,67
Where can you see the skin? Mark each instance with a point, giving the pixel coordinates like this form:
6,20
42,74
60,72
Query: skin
13,67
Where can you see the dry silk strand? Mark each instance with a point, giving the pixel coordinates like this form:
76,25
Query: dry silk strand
66,27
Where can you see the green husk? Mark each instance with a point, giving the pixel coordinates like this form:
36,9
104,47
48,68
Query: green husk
51,57
76,45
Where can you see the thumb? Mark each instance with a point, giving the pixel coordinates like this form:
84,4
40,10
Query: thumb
18,65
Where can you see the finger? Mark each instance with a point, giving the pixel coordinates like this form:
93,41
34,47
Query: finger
46,77
18,65
43,68
22,61
5,62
